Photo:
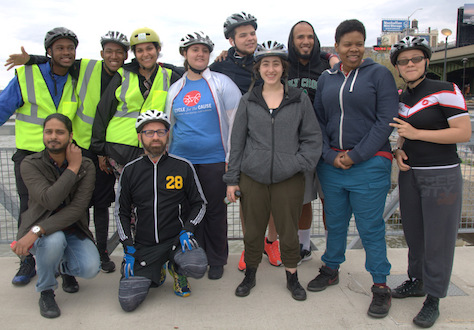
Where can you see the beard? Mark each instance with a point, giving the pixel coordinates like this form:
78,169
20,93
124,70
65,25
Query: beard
304,56
155,150
55,147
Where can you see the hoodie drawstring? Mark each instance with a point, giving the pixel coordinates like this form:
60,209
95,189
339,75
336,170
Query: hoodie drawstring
354,80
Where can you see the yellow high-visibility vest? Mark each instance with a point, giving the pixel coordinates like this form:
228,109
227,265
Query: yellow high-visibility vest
39,104
88,90
121,128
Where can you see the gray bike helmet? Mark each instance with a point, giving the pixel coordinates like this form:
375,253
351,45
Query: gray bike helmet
133,291
59,33
195,38
408,43
192,263
117,37
236,20
151,116
271,48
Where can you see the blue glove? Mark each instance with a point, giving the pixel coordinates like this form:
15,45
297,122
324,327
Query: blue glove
187,240
129,261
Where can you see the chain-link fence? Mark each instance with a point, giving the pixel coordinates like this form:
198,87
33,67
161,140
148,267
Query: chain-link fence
9,203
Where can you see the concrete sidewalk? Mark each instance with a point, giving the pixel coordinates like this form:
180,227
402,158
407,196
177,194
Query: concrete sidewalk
213,305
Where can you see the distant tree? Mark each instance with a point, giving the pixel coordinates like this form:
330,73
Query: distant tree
385,61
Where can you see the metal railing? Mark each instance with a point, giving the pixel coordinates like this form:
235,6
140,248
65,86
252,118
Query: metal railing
9,204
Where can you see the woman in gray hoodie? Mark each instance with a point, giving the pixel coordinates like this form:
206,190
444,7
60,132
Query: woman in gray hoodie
275,138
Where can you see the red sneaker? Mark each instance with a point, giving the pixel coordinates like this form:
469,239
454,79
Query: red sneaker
273,252
242,265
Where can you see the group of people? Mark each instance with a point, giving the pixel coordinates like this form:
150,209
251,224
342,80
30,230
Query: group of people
182,139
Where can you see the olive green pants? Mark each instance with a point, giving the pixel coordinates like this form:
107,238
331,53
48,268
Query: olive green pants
285,201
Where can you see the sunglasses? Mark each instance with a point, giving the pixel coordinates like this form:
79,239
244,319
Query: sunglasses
151,133
416,59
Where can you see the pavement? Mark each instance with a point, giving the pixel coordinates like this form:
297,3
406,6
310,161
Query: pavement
213,305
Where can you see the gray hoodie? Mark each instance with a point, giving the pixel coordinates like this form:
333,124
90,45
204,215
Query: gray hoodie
273,147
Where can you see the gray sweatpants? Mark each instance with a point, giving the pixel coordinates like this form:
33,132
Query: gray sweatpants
430,205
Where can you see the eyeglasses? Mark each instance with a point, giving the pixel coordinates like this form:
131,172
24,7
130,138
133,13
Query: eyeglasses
151,133
416,59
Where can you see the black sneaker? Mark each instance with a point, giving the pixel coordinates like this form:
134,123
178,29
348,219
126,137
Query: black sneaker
292,284
409,288
305,254
106,265
326,277
70,284
429,313
26,271
215,272
47,304
381,301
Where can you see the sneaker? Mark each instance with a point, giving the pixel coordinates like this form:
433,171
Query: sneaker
242,264
26,271
162,278
47,304
272,250
70,284
381,301
305,254
326,277
181,286
215,272
429,313
292,284
106,265
163,275
409,288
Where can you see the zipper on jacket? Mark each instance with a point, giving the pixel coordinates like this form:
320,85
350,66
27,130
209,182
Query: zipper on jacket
155,203
273,144
341,103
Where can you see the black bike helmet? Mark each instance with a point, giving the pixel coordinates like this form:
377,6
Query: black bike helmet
59,33
236,20
408,43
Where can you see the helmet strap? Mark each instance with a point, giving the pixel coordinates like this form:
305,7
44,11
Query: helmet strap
408,82
196,70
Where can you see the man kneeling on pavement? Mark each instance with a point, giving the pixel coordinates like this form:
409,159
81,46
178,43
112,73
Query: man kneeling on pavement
55,228
159,202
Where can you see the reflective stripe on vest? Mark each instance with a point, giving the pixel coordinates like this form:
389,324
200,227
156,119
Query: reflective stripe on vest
89,87
37,105
121,128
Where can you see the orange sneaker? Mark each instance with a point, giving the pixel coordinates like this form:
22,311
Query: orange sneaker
273,252
242,265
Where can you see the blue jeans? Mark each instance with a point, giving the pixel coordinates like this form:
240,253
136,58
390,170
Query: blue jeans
67,253
361,190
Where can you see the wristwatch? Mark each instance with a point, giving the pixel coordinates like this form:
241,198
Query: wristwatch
37,230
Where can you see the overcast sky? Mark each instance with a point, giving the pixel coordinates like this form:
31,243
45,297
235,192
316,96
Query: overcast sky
25,22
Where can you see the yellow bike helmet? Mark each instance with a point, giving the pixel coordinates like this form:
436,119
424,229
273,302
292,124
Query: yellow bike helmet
144,35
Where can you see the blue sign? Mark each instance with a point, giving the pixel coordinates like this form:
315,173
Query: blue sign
394,25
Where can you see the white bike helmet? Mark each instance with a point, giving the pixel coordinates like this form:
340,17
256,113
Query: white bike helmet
195,38
271,48
117,37
151,116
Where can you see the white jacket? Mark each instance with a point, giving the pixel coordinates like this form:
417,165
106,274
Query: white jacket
226,96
